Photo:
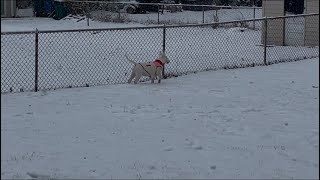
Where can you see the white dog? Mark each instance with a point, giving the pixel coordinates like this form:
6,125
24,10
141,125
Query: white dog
152,69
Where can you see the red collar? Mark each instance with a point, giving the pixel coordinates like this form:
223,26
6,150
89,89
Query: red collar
158,61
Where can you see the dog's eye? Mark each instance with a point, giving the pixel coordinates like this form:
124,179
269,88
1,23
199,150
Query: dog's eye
148,65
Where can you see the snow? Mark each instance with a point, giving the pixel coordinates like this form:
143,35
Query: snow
25,12
97,57
195,17
30,24
134,20
242,123
259,122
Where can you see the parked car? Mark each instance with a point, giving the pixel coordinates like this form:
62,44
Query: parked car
147,7
196,2
116,5
171,8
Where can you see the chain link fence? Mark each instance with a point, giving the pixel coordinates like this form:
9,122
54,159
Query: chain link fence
42,60
161,13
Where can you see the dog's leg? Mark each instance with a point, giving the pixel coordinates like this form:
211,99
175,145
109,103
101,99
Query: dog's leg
160,77
153,78
131,77
137,78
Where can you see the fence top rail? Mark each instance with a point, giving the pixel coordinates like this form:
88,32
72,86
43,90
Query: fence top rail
292,16
168,4
17,32
82,30
157,26
239,21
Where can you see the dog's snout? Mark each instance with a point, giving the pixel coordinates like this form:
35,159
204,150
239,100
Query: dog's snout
167,59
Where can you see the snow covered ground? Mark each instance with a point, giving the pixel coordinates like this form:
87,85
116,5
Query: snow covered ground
28,24
97,57
259,122
196,17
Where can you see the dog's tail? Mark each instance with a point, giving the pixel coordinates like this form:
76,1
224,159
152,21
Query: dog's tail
130,60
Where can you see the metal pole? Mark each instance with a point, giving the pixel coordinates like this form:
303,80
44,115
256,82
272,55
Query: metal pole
164,38
87,19
36,65
254,14
283,31
162,7
158,14
304,33
86,12
119,14
202,14
163,46
265,41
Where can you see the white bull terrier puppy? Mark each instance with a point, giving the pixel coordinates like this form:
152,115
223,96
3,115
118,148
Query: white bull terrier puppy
152,69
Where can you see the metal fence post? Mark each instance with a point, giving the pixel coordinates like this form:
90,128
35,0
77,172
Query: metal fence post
265,41
158,14
36,66
164,38
202,14
119,18
87,13
162,8
163,46
254,16
284,31
304,31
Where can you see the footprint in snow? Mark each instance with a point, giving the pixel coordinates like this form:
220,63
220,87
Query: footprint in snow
151,167
193,144
197,147
188,142
168,149
213,167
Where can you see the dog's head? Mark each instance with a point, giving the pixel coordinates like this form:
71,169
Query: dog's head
162,56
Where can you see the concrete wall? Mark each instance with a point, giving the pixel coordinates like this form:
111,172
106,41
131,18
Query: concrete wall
311,23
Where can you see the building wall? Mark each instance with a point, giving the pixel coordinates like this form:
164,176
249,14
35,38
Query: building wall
3,8
311,23
275,28
273,8
9,8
